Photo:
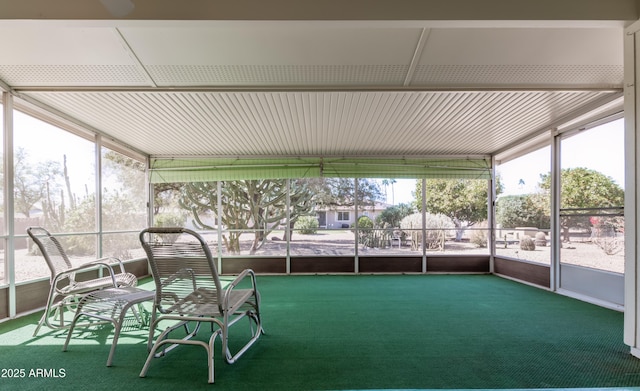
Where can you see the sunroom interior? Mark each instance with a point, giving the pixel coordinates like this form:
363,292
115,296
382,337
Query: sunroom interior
109,106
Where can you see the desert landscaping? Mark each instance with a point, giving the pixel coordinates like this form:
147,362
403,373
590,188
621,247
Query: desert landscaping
579,251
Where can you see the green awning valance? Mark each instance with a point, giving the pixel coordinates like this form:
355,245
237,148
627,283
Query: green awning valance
224,169
407,168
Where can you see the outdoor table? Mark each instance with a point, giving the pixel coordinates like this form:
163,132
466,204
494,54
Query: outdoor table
111,305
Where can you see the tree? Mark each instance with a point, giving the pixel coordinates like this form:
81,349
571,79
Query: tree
465,201
166,197
583,188
522,211
339,192
123,200
124,192
386,183
127,173
40,183
301,200
260,205
392,216
255,205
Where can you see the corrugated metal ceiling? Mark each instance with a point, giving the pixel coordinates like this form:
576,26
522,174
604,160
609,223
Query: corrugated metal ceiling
313,89
320,123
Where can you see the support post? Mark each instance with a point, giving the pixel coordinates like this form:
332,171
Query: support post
632,188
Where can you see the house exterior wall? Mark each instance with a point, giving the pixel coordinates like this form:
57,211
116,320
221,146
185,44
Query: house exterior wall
346,217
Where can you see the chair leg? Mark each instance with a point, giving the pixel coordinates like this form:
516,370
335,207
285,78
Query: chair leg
70,331
47,310
35,333
152,329
116,335
211,354
53,316
162,341
252,316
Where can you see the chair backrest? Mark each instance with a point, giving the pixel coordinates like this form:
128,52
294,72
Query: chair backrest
181,263
51,250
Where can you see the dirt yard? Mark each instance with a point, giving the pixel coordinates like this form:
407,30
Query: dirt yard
579,251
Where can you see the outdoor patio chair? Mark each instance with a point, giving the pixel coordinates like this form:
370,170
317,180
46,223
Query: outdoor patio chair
189,292
66,290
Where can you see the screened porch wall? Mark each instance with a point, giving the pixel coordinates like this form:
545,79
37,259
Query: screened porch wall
30,294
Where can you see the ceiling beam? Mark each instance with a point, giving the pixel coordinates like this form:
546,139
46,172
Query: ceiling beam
444,89
280,10
141,68
424,35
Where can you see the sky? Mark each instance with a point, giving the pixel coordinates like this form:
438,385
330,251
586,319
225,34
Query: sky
600,149
402,193
45,142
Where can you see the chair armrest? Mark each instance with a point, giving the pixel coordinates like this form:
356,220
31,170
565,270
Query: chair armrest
106,260
241,277
85,267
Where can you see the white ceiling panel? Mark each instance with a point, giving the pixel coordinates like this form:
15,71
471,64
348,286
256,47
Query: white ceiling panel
57,45
66,56
272,44
522,57
523,46
319,123
274,54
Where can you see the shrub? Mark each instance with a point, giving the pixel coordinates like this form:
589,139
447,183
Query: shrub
438,227
365,222
307,225
369,237
479,235
392,215
541,239
603,234
527,243
169,220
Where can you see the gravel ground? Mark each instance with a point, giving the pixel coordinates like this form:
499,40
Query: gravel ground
579,252
576,253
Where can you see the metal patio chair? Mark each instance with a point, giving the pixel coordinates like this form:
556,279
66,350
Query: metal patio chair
65,290
189,292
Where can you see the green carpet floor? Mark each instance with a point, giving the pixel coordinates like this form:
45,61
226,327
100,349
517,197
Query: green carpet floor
360,332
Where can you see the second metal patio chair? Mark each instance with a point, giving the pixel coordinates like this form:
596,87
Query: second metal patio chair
66,290
189,292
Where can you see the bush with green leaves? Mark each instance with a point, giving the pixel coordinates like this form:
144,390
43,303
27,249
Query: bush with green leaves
169,220
366,234
529,210
118,213
365,222
370,235
307,225
392,215
81,219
